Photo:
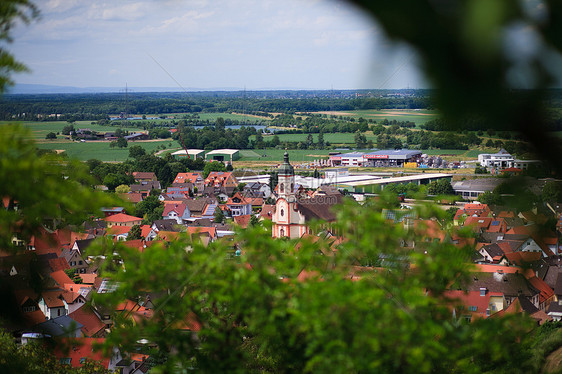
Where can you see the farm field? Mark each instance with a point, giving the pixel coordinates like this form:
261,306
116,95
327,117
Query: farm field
40,129
211,116
419,117
101,150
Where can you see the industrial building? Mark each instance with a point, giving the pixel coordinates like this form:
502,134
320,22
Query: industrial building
383,158
223,155
374,186
391,158
471,189
190,153
347,159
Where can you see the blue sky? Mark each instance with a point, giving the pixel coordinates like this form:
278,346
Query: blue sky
207,44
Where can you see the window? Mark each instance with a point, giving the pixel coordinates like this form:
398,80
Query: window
27,309
80,262
82,360
472,308
282,212
281,232
65,360
281,188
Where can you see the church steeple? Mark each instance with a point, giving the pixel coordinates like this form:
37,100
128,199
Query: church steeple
286,179
286,168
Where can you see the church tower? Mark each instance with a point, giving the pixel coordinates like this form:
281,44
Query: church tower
286,180
286,218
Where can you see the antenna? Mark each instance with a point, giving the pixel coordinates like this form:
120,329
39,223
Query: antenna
126,101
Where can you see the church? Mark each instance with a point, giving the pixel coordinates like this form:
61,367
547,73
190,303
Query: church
293,211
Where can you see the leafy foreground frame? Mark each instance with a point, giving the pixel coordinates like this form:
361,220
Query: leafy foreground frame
286,306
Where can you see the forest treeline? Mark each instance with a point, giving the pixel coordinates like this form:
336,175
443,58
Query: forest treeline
98,106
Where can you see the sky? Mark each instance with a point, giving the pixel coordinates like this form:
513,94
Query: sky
210,44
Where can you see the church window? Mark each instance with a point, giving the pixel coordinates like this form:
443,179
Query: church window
282,212
282,188
281,232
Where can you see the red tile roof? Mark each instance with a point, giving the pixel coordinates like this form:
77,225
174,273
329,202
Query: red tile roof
92,325
61,278
187,177
59,263
243,221
122,217
78,348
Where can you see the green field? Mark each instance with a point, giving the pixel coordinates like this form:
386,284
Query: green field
40,129
295,155
101,150
210,116
419,117
338,138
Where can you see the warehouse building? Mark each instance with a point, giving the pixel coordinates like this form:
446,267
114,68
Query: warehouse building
391,158
383,158
189,153
223,155
375,186
347,159
471,189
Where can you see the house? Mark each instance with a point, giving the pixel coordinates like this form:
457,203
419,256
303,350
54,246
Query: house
475,304
221,179
144,188
92,326
63,326
181,190
164,225
79,349
141,176
194,178
492,252
198,207
112,211
122,219
239,205
52,304
178,212
257,189
75,260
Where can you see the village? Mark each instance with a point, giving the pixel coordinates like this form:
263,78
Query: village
516,258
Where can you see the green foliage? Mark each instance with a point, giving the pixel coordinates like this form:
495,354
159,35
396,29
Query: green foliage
150,208
35,358
66,130
480,170
51,135
490,198
440,187
137,151
262,317
122,188
551,192
122,143
213,166
218,215
135,233
38,189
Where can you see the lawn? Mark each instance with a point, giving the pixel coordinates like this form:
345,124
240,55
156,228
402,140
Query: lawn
101,150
